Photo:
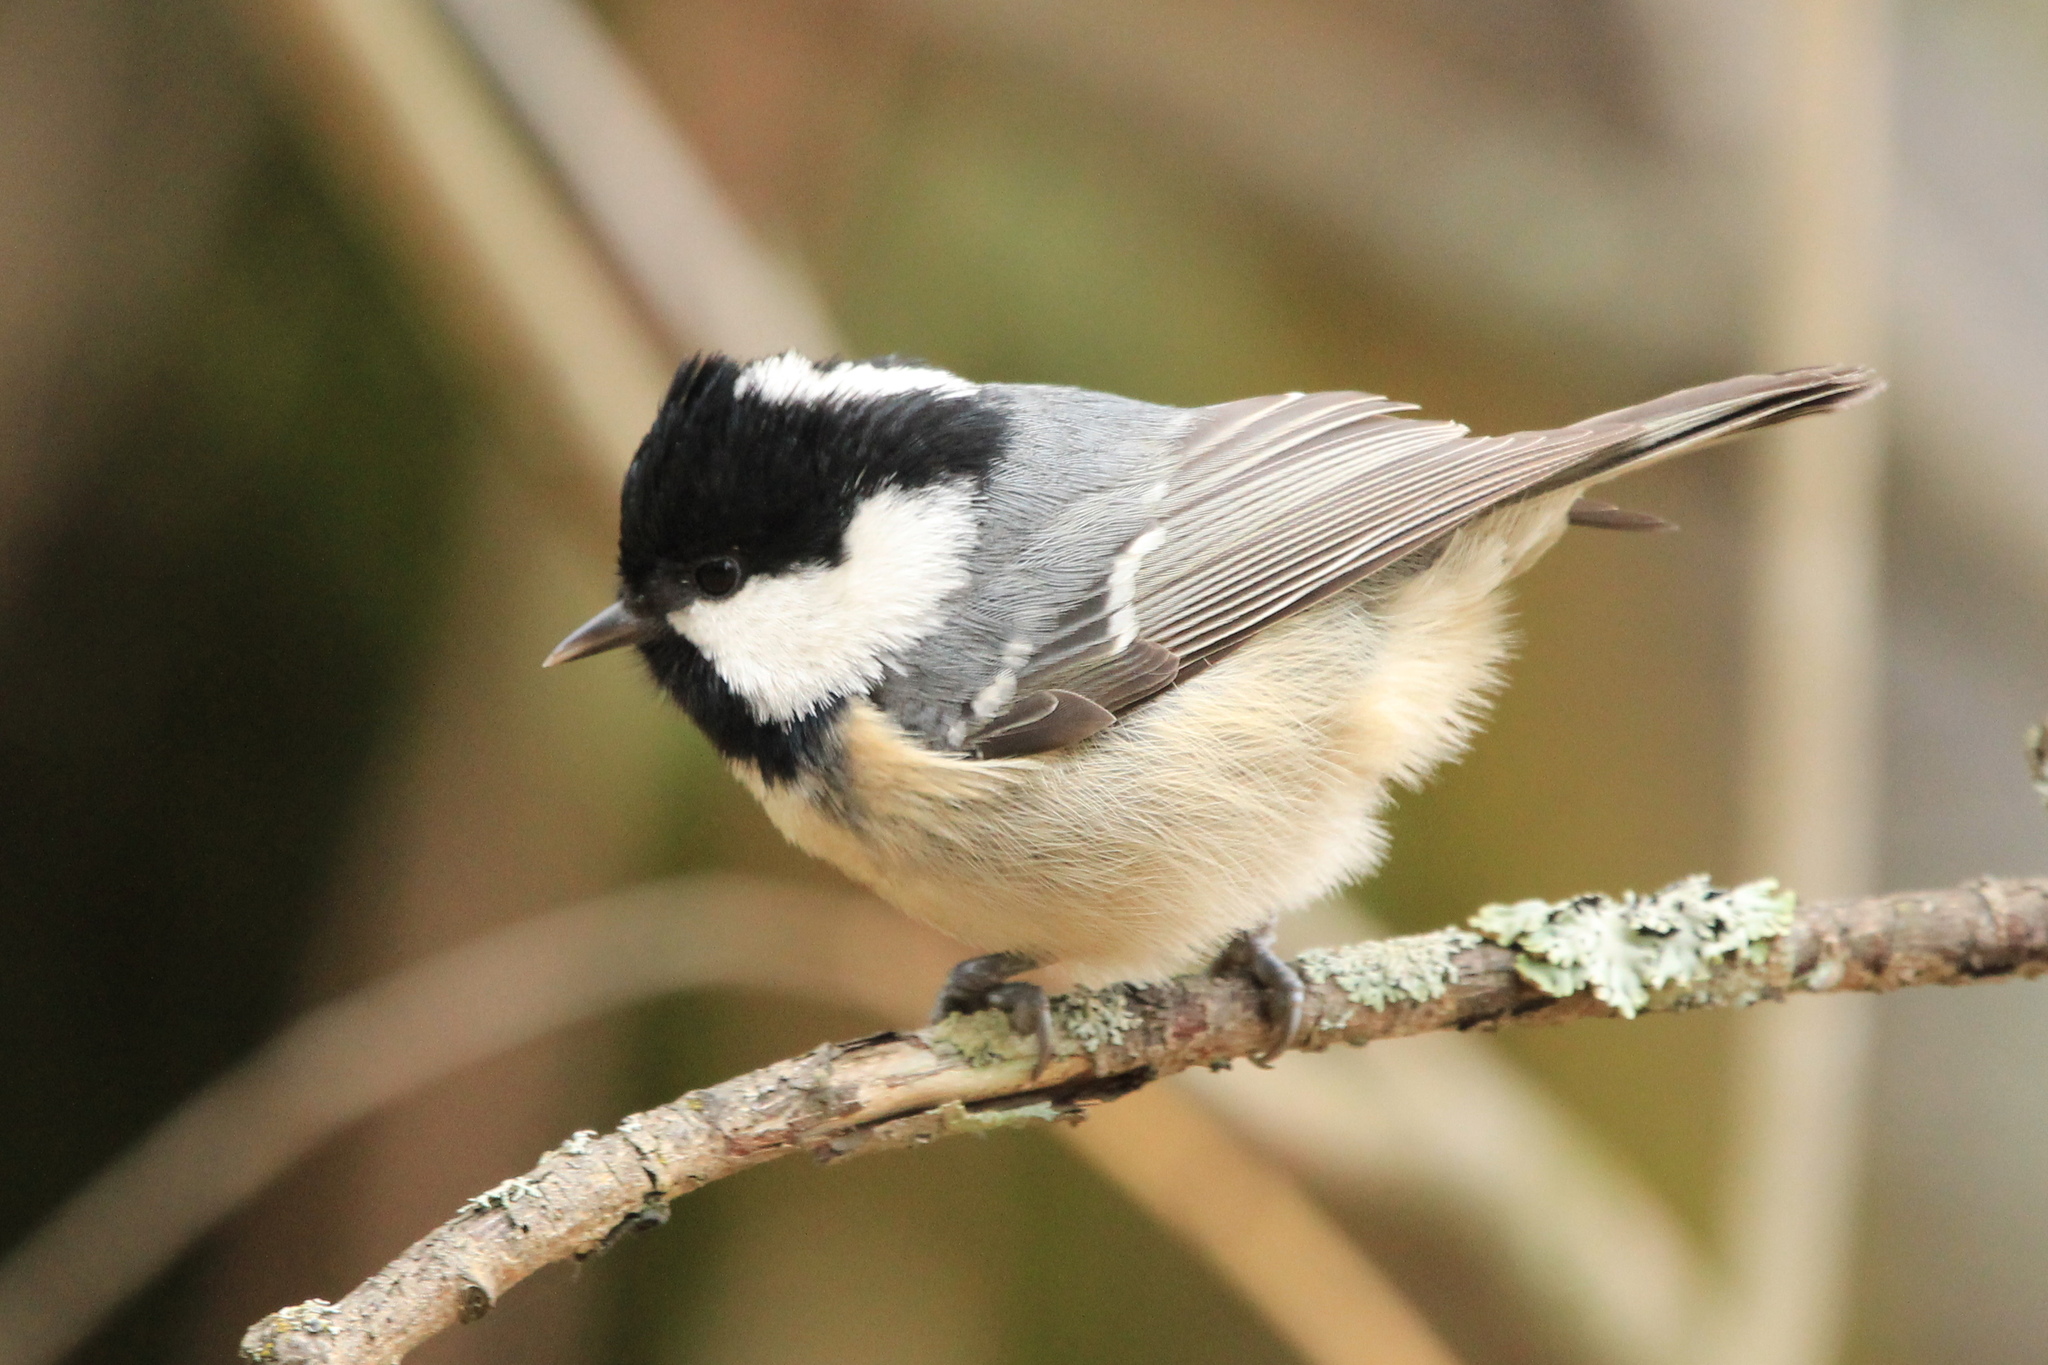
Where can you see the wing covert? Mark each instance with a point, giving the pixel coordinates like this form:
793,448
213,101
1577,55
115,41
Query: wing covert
1266,506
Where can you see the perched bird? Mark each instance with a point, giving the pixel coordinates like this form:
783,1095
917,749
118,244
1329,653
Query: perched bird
1080,679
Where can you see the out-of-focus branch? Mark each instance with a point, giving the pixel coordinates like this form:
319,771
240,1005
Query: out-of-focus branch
119,147
1514,215
353,1056
971,1075
1258,1229
1445,1123
346,1059
2037,760
1449,1121
693,264
1811,794
406,120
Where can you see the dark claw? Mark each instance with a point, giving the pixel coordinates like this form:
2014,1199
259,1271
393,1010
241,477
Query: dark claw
983,983
1282,997
1023,1003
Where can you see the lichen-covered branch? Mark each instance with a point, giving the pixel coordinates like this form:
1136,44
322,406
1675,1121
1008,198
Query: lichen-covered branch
1687,947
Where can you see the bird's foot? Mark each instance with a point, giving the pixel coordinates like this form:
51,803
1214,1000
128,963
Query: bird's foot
983,983
1282,997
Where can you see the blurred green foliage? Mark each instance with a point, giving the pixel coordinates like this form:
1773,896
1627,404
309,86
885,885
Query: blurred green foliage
202,662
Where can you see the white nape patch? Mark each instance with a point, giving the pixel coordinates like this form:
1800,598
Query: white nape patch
1123,587
789,643
792,378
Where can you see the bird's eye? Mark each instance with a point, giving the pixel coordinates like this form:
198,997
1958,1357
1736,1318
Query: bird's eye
720,577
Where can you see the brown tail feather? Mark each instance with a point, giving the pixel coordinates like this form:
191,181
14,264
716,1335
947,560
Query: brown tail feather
1607,517
1691,418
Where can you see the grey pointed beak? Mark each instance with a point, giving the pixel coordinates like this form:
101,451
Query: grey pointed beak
609,629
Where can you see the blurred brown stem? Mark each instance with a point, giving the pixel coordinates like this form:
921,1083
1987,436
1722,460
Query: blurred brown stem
2037,759
895,1090
442,1014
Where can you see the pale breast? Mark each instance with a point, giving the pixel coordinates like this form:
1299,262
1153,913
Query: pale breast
1252,790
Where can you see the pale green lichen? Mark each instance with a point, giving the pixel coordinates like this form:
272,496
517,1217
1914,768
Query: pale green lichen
1385,972
1095,1019
1625,949
981,1039
502,1195
314,1315
929,1125
1084,1021
955,1117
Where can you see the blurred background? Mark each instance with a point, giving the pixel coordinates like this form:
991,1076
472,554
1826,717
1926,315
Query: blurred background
327,325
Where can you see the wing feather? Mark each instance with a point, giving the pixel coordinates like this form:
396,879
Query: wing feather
1270,505
1046,720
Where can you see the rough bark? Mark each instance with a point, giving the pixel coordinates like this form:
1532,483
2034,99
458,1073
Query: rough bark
970,1075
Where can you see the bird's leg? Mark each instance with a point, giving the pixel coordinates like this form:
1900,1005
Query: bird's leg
983,983
1282,997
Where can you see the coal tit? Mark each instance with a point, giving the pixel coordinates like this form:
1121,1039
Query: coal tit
1080,679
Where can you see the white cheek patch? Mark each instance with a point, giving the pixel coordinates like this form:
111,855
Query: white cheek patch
789,643
790,378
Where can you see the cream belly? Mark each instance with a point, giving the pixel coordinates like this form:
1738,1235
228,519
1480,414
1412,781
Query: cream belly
1251,790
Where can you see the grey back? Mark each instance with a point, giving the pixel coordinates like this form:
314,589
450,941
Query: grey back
1069,495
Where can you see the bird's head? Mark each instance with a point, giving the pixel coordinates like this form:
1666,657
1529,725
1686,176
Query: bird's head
786,528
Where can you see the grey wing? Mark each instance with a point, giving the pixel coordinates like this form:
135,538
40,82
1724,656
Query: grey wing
1081,481
1270,505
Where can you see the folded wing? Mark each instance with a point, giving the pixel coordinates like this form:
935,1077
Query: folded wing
1271,505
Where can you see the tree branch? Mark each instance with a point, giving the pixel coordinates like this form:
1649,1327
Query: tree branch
1534,962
